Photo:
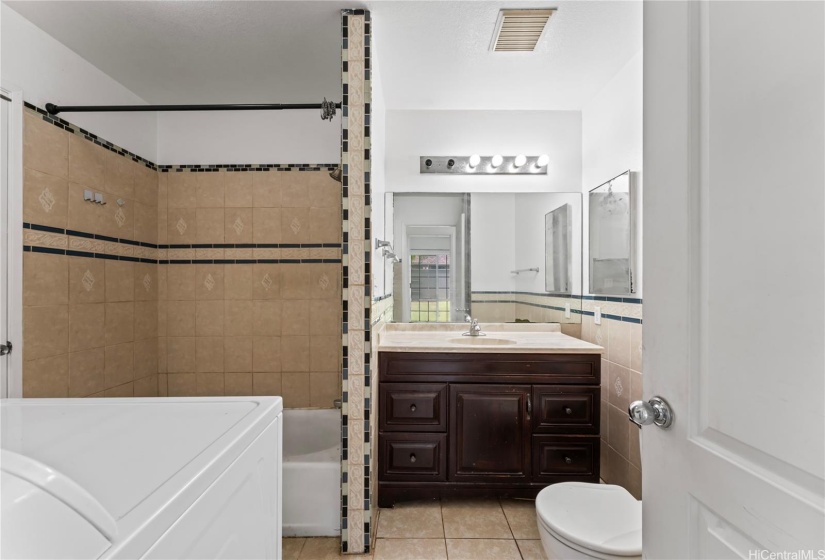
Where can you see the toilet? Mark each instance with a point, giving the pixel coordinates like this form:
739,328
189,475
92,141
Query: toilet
579,520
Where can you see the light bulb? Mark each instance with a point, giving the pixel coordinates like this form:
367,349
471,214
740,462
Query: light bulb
521,159
475,159
543,160
496,161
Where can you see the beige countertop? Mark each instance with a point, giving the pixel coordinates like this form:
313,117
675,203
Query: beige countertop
536,338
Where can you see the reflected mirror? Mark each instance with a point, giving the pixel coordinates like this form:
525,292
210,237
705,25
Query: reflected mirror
611,237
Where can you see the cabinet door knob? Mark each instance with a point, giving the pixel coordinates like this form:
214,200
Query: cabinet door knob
412,407
412,457
568,410
568,460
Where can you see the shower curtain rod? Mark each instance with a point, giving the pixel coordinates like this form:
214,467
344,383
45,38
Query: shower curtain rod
53,109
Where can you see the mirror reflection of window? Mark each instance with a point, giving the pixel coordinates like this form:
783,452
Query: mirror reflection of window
430,288
611,253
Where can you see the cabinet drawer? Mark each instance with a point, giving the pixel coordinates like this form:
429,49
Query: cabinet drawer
413,407
420,457
567,410
560,456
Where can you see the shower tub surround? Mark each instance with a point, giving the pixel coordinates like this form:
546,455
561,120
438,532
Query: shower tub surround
204,280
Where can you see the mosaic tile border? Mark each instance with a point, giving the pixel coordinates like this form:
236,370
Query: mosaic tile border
91,137
356,464
615,308
247,167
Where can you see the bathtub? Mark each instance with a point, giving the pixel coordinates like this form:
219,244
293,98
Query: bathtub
312,473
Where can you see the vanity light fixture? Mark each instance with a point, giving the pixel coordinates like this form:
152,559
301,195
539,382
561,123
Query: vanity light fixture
496,161
485,165
521,159
543,160
475,159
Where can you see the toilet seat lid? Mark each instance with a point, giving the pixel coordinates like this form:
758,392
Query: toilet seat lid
600,517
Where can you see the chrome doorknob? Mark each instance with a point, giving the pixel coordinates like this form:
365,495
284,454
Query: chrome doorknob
655,411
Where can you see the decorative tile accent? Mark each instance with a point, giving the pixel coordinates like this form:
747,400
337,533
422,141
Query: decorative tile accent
46,199
147,282
88,281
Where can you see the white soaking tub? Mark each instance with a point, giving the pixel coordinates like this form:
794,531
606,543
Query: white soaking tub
312,473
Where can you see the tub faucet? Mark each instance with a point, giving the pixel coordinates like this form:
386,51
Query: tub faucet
475,329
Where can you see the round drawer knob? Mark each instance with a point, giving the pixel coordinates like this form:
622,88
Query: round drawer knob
412,457
568,410
412,407
568,460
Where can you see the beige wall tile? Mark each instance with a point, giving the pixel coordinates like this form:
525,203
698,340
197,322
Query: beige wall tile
163,190
146,386
120,322
604,419
119,221
266,225
209,190
45,279
295,317
238,353
238,225
325,353
619,342
182,225
146,319
295,281
619,386
266,354
183,188
209,318
45,199
238,189
618,429
325,281
209,281
209,357
146,185
163,282
238,317
146,358
325,225
163,353
163,385
324,388
118,175
266,189
120,281
239,384
180,281
45,331
146,222
295,389
182,384
85,162
180,318
181,355
146,281
604,461
46,377
295,190
636,385
636,347
45,147
85,216
324,191
324,318
87,326
210,225
267,320
266,281
295,353
295,225
238,281
86,372
163,226
266,383
119,364
209,384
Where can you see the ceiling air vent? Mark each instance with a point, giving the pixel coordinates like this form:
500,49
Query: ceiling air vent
519,30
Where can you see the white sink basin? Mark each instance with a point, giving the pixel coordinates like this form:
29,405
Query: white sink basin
481,341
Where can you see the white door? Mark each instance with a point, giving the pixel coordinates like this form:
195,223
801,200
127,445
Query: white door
5,113
734,240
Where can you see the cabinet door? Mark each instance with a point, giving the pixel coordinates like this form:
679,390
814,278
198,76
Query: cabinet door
489,433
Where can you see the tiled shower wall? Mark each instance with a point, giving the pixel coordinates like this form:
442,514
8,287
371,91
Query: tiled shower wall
250,299
620,333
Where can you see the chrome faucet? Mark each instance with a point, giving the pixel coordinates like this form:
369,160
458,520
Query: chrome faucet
475,328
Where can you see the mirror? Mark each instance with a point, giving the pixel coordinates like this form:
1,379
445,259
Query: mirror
499,257
612,237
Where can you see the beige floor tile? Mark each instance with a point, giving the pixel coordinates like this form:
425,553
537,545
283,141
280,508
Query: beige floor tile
421,520
410,549
291,548
531,550
521,515
321,548
482,549
474,519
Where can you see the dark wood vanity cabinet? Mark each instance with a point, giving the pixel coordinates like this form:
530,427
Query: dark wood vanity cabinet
485,424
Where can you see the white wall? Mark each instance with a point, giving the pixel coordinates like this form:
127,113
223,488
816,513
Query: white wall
612,144
492,241
411,134
248,137
48,72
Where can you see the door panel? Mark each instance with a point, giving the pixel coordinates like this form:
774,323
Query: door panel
490,432
732,110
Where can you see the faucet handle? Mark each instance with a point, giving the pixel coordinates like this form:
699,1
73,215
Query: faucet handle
467,318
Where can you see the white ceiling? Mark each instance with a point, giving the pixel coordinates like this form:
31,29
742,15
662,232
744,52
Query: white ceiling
431,55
